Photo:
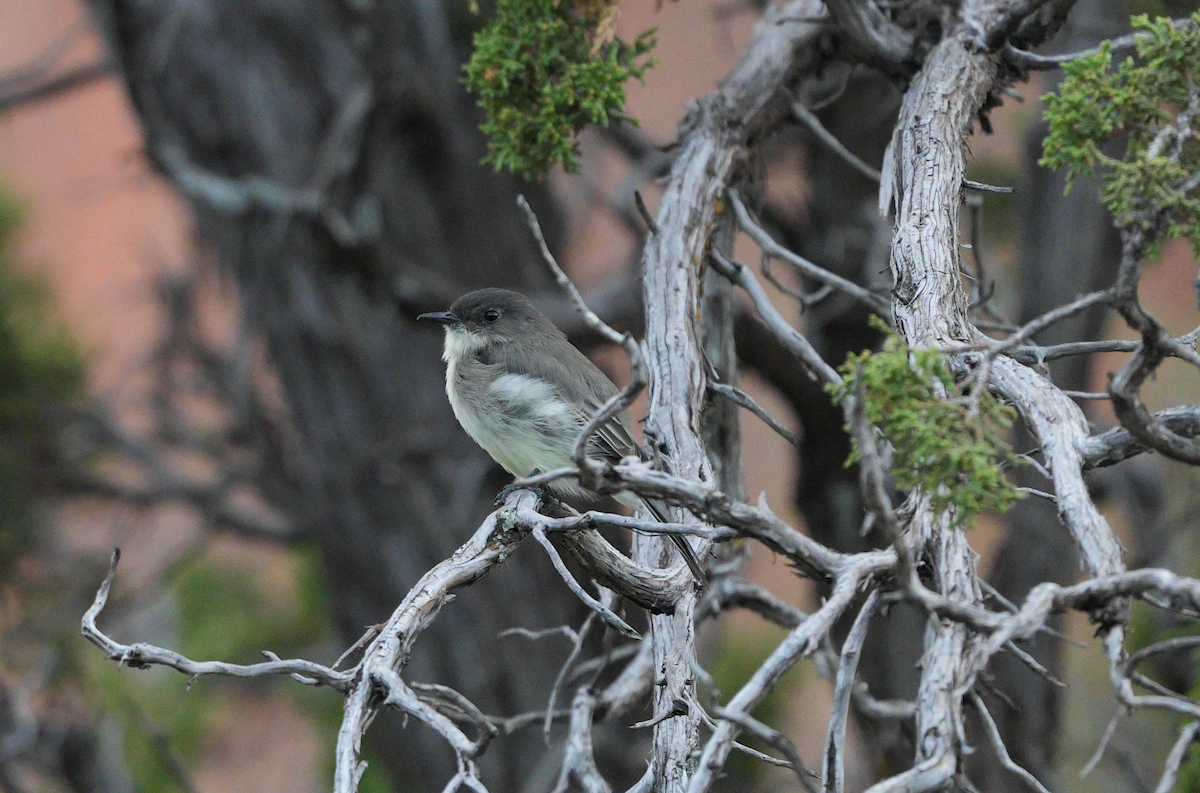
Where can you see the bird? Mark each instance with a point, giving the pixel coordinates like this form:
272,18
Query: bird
524,393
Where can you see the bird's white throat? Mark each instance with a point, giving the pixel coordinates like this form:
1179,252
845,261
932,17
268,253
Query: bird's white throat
460,343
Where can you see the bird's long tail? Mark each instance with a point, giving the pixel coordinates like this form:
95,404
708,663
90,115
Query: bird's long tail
660,513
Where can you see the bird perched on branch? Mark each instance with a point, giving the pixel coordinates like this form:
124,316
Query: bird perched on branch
524,393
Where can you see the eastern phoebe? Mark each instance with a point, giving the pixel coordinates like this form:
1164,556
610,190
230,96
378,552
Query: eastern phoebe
523,392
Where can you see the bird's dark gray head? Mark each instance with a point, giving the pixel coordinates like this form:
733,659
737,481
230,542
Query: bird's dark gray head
495,316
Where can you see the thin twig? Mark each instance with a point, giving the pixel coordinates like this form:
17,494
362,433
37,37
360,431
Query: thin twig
606,614
1175,759
835,758
647,218
982,187
1098,755
1035,62
772,248
993,733
829,139
740,275
742,399
772,738
141,656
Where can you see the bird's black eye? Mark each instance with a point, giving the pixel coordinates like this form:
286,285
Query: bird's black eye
491,315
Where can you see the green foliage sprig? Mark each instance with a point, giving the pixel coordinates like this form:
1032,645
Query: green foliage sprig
956,458
544,69
40,368
1096,104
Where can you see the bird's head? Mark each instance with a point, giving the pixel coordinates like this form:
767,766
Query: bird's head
491,318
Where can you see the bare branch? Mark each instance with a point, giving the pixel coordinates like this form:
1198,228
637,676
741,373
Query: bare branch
578,761
1035,356
742,399
772,248
726,593
606,614
983,187
1061,429
1165,646
772,738
142,656
802,641
55,85
871,35
1098,755
1119,444
993,732
835,759
825,136
491,544
790,337
1005,23
1035,62
1137,235
608,520
1175,759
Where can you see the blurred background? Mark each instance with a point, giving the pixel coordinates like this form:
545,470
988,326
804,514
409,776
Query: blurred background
218,221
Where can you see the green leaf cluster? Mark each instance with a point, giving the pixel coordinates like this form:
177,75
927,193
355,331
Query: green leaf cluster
541,75
40,367
1096,104
959,460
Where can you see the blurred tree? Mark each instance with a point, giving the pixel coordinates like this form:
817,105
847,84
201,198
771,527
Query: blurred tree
41,373
332,160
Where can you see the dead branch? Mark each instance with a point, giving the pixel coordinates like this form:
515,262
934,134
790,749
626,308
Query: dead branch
742,399
835,760
930,562
1119,444
993,733
143,656
578,762
810,120
1175,759
772,248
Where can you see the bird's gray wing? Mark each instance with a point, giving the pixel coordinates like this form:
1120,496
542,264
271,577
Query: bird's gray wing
580,383
612,440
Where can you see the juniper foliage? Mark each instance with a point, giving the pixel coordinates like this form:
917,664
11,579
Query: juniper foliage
545,69
937,445
1150,186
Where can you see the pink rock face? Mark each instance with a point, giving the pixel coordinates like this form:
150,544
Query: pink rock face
98,222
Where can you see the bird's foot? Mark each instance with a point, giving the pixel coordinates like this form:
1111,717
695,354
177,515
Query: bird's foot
508,490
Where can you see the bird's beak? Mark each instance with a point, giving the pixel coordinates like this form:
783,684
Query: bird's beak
442,317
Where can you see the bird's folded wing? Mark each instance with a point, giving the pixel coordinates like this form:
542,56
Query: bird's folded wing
612,440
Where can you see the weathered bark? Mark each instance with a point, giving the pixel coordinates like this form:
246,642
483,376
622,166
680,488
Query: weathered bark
1069,247
332,161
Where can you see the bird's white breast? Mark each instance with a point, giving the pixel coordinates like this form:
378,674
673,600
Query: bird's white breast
519,420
